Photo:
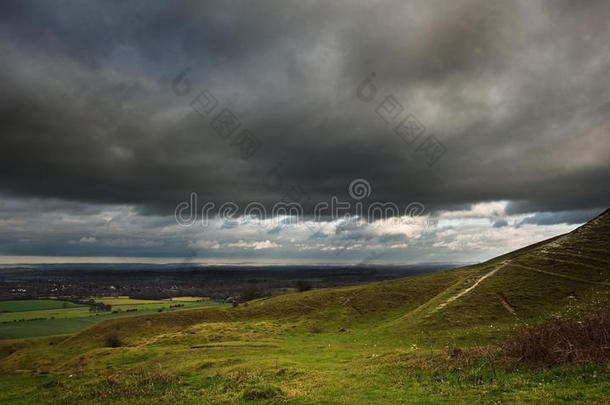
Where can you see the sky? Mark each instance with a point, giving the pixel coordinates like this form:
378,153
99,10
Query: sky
178,129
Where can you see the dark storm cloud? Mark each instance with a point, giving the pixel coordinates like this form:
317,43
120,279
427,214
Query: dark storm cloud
517,93
561,217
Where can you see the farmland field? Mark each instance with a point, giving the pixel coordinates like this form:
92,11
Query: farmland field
32,318
124,301
33,305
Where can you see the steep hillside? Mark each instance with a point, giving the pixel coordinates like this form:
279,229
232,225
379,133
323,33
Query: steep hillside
555,277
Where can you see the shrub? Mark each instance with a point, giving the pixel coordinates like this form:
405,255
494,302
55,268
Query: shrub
99,307
113,341
250,294
303,285
557,341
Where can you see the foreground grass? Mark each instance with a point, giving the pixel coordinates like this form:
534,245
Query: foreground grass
365,344
292,365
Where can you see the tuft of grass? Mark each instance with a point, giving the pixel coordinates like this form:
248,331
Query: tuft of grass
262,391
132,385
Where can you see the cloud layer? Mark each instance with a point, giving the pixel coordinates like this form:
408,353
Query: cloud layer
46,227
96,117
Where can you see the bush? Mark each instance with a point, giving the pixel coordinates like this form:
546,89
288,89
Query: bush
250,294
303,285
99,307
113,341
558,341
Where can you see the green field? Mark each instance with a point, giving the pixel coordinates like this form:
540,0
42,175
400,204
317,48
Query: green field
187,299
435,338
114,301
34,305
31,318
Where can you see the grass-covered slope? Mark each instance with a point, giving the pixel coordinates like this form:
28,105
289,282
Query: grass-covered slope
382,342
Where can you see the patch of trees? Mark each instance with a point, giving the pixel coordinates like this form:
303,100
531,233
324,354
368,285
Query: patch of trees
303,285
250,294
99,307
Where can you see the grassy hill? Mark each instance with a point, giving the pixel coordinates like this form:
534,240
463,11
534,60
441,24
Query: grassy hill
383,342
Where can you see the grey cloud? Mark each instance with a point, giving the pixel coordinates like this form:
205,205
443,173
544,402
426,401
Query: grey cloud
517,92
561,217
112,230
318,235
500,223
